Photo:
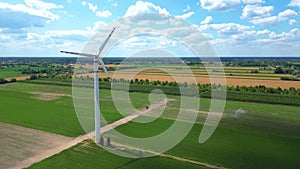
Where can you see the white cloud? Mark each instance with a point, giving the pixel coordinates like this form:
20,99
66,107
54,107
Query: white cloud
225,28
64,37
294,3
113,2
293,35
252,2
287,13
31,14
97,25
145,7
186,15
222,42
187,8
34,7
256,12
249,35
261,15
92,7
274,20
207,20
37,4
292,22
104,14
219,5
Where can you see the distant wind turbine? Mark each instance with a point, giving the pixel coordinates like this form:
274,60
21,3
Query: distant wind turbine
97,60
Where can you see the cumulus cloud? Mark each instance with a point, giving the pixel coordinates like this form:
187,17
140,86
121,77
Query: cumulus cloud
249,35
97,25
253,2
94,9
186,15
225,28
207,20
274,20
219,5
31,14
104,14
287,13
294,3
292,36
261,15
256,12
34,8
145,7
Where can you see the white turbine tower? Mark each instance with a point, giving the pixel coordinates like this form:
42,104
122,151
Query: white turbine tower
97,59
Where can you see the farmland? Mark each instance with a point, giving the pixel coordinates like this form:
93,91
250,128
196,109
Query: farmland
236,143
266,135
94,157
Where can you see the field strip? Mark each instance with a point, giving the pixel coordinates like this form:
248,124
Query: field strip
18,78
19,143
170,156
48,153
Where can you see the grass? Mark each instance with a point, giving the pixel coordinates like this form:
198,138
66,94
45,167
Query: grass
20,107
266,136
89,156
10,72
7,72
24,109
230,147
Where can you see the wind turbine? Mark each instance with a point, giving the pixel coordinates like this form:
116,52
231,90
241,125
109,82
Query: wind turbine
97,60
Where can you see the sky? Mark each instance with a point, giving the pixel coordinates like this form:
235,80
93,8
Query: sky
233,27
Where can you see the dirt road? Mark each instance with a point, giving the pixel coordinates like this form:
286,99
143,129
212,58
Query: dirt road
50,152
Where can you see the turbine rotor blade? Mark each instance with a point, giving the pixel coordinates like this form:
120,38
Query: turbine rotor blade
79,54
104,68
105,42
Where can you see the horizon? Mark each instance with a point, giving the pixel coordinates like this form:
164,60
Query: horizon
154,57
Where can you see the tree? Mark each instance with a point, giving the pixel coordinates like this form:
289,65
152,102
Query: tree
13,80
2,81
278,70
33,77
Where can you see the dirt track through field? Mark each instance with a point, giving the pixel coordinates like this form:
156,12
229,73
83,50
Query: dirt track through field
48,153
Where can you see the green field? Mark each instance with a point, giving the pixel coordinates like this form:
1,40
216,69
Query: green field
89,155
20,107
10,72
266,136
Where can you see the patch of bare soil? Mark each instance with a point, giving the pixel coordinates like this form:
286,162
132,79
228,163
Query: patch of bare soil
47,96
18,143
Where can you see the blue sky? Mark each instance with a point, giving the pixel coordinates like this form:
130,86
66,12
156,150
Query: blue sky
233,27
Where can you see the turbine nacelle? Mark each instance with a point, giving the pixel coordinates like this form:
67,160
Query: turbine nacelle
96,57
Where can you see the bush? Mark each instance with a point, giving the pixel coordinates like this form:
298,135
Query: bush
33,77
286,78
13,80
278,70
2,81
